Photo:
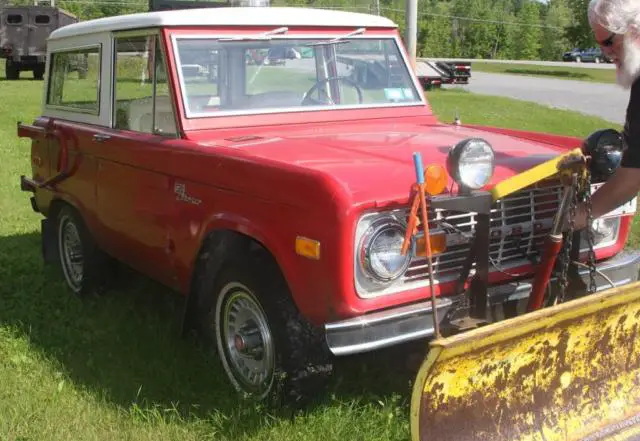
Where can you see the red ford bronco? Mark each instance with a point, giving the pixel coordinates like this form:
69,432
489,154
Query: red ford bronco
274,197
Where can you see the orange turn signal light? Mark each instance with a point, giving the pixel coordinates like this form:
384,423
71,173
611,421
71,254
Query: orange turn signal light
438,243
435,179
308,247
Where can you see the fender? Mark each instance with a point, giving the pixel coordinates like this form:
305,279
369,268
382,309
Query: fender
64,169
231,222
253,231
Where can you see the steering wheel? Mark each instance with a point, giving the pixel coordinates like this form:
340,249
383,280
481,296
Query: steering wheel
307,96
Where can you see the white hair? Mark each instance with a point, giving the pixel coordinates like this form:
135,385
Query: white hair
615,15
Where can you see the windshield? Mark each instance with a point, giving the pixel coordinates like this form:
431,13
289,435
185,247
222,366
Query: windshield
255,76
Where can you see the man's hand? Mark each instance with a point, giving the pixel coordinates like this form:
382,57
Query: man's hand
620,188
579,220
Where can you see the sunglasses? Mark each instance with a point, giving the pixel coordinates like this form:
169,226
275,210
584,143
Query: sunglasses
608,42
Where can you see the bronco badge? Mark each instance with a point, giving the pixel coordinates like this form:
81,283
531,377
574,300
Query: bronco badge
181,194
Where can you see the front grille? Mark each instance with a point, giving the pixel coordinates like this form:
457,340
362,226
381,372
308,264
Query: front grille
530,211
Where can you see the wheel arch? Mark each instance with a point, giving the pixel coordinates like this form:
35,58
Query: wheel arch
57,203
60,200
308,363
225,242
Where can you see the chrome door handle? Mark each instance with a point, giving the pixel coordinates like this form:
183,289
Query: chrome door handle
100,138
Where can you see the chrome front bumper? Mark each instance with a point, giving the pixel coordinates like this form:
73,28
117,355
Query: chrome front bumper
412,322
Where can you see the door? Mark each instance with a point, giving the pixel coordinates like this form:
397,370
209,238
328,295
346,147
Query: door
134,186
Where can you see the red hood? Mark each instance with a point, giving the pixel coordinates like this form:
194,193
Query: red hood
376,163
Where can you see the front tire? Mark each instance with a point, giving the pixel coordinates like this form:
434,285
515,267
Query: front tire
268,351
245,340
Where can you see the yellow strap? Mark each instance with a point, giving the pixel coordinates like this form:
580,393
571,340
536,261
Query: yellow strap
531,176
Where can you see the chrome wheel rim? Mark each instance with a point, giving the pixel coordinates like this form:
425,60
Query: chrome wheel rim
71,255
245,341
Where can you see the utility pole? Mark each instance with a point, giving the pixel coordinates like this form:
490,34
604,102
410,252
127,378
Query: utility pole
411,20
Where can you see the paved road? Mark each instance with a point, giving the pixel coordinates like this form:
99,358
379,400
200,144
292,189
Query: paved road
607,101
532,63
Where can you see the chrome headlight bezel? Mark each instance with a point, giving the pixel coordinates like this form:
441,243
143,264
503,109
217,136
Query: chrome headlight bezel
606,228
379,225
459,155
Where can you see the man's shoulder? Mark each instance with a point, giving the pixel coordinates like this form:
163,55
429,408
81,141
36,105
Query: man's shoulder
633,107
635,87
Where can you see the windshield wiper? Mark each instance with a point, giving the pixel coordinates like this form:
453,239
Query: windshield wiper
263,36
340,38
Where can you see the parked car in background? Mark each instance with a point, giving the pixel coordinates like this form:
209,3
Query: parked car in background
572,55
590,55
594,55
275,56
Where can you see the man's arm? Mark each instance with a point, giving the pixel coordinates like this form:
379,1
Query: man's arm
623,186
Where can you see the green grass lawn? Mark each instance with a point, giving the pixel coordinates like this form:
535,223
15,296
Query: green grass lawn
114,368
510,113
563,72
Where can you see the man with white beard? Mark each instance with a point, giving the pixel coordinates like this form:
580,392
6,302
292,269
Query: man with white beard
616,28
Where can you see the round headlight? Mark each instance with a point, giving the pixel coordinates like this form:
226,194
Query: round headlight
605,148
471,163
380,250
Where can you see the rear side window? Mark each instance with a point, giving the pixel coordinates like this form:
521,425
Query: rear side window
74,80
14,19
142,101
43,19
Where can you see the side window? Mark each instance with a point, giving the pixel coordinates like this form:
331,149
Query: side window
14,19
74,80
140,76
42,19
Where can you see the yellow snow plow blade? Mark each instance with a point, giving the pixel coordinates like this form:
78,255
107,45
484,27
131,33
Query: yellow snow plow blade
567,372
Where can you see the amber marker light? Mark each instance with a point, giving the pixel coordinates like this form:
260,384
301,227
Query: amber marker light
435,179
438,244
308,247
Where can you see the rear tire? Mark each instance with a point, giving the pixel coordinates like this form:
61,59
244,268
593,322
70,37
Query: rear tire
38,72
81,261
268,351
12,71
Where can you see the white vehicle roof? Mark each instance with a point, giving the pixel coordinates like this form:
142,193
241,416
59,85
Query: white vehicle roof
231,16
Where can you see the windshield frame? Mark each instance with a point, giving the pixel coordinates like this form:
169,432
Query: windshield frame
292,34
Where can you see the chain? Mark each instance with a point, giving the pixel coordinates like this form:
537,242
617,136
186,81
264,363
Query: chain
563,280
583,189
590,234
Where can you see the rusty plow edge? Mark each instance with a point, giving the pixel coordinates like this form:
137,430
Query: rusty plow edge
567,372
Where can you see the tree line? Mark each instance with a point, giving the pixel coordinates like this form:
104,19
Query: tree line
497,29
492,29
503,29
